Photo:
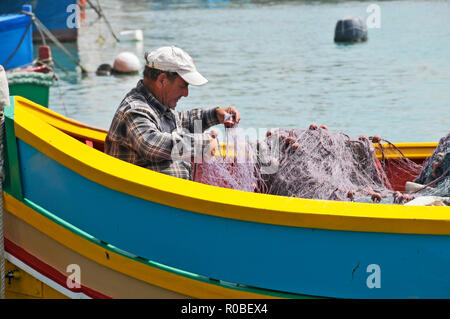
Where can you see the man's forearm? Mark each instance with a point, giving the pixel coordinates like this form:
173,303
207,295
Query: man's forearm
198,120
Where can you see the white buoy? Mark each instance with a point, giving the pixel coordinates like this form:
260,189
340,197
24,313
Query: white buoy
131,35
126,62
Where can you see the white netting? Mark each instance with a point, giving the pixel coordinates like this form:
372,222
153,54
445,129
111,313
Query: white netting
436,171
320,164
225,170
314,163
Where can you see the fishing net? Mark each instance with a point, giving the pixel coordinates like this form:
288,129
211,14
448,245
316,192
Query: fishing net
232,167
320,164
316,163
435,175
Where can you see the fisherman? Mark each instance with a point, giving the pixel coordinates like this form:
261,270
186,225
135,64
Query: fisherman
147,131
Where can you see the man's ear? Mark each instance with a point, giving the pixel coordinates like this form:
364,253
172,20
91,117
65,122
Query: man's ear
161,80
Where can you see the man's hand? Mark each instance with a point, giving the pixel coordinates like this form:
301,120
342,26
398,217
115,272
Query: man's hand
213,145
231,121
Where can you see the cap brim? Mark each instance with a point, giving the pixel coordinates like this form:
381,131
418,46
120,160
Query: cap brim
193,77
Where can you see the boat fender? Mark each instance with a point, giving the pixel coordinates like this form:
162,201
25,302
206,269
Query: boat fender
45,58
126,62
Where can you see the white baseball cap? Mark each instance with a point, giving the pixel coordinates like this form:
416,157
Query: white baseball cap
173,59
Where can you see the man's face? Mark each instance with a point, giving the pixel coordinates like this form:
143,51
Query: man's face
172,91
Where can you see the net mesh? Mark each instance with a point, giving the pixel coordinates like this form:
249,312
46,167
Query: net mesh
436,171
227,170
319,164
316,163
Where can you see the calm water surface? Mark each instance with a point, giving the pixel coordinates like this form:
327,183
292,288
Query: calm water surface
277,63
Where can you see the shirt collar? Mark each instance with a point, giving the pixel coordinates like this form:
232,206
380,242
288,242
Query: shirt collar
140,87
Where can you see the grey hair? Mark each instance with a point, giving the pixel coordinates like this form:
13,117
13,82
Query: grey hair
152,73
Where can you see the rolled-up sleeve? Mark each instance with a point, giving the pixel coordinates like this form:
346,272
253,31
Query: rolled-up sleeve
207,118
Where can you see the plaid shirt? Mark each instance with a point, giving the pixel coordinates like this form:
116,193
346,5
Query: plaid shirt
144,132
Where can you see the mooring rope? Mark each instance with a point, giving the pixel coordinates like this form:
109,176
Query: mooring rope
4,101
41,27
43,79
100,13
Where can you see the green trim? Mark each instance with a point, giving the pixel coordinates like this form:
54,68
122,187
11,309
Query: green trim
12,182
150,263
39,94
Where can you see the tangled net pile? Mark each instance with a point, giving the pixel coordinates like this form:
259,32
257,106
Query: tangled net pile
435,175
318,164
225,170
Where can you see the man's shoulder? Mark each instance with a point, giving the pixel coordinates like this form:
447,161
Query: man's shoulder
135,101
134,96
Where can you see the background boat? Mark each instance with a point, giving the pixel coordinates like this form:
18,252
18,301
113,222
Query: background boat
57,16
32,84
26,77
16,47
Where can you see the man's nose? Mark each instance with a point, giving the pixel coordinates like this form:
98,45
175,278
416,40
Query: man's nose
186,92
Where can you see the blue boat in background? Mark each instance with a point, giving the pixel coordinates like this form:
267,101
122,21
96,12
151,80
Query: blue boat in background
57,16
16,47
26,77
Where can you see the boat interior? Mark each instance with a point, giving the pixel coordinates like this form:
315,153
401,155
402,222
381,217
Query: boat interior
390,154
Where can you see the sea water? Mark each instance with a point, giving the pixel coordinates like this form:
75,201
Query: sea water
276,61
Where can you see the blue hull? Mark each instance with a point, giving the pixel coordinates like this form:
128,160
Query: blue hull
332,263
15,29
53,14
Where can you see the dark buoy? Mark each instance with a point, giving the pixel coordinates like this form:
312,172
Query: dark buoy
350,29
104,69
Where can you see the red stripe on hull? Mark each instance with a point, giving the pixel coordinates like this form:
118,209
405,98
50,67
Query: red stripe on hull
48,271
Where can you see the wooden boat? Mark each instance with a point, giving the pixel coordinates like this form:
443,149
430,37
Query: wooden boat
72,211
32,83
59,17
16,47
25,77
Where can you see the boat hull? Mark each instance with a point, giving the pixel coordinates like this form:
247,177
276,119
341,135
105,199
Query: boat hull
27,244
16,47
57,16
34,86
215,242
